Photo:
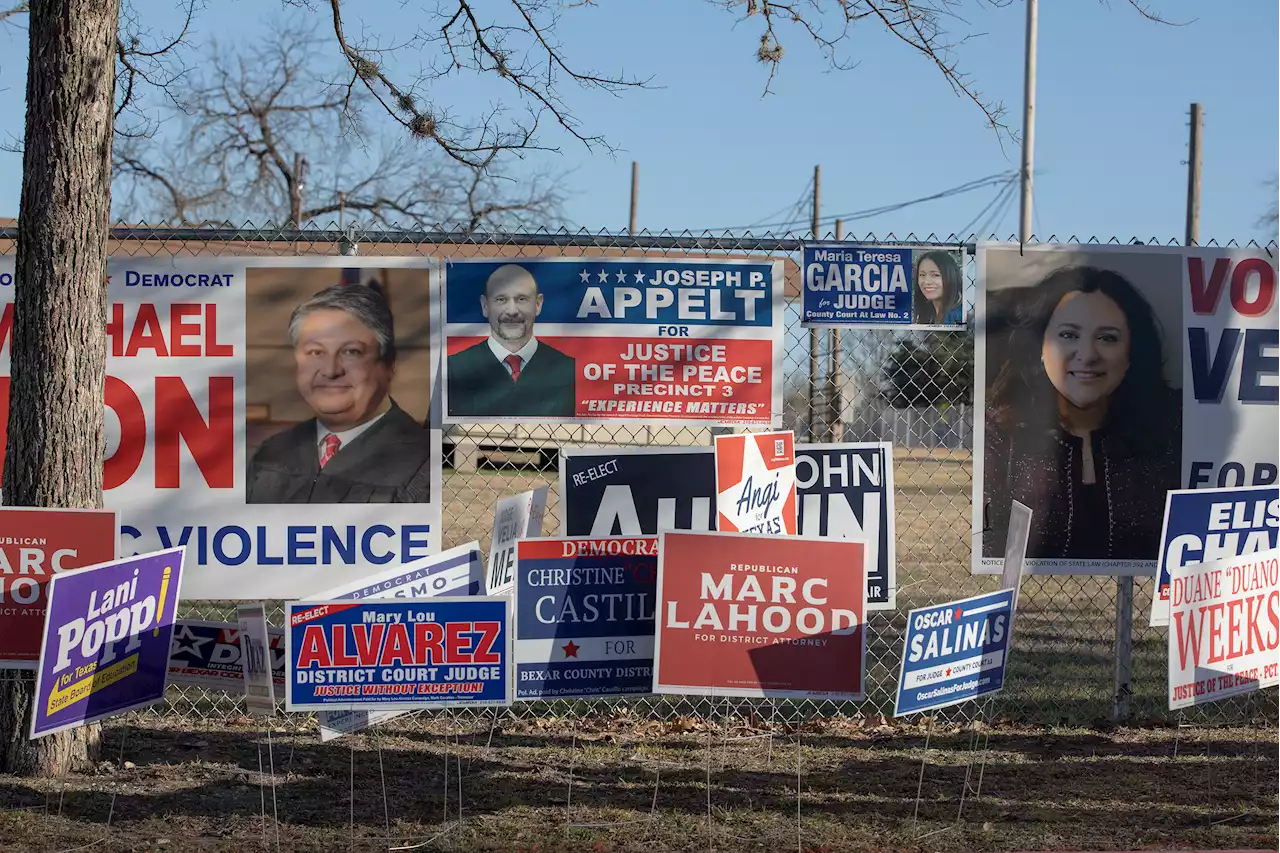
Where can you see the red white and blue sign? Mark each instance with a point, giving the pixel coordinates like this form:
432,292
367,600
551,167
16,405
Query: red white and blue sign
1206,525
954,652
584,623
400,653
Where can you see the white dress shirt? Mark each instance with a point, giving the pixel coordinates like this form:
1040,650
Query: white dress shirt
346,436
525,352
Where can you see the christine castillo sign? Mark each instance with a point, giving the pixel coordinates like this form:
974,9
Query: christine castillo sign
584,623
756,483
760,615
1204,525
954,652
1191,393
1224,633
106,640
671,341
199,365
845,491
850,286
398,654
34,544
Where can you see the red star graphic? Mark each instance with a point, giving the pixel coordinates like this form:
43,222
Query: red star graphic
959,612
571,649
948,670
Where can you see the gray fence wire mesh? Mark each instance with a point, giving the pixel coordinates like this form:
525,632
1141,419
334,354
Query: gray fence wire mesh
1062,669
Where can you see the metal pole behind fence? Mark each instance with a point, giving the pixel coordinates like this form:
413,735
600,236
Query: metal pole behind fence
1124,649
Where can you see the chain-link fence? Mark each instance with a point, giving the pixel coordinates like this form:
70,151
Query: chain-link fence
1063,668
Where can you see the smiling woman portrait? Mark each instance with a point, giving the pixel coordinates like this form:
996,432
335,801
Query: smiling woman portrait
1081,424
937,296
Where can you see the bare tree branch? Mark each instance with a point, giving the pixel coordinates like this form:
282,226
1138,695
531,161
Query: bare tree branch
6,14
265,138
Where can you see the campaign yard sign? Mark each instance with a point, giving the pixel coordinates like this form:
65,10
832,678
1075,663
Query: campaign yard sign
106,640
455,572
256,659
845,490
1224,630
760,615
210,655
954,652
514,517
34,545
398,654
756,483
584,617
1204,525
673,340
851,286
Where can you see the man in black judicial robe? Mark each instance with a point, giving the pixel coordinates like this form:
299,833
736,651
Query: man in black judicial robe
511,373
360,447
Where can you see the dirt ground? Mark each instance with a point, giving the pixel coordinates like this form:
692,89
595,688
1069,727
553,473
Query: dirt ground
620,783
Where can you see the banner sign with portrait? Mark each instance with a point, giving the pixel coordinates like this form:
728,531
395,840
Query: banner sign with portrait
398,654
688,341
742,614
584,617
897,287
268,414
35,543
845,490
954,652
514,517
1224,629
209,655
1204,525
107,639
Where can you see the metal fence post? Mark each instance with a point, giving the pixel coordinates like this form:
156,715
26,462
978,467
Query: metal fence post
1124,649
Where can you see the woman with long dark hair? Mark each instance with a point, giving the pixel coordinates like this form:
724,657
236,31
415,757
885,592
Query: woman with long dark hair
1081,425
938,294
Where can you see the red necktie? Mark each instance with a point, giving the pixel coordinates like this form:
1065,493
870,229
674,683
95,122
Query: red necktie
331,445
513,361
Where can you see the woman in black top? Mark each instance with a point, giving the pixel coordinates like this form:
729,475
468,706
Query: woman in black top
1081,425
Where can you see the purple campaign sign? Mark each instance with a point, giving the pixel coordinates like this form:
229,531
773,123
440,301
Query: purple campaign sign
106,640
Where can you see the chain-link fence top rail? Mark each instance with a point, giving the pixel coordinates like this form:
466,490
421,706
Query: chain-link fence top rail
1063,668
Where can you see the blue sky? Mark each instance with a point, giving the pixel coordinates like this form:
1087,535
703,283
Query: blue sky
1111,136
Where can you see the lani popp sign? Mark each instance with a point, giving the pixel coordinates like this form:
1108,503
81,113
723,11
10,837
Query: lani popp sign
756,483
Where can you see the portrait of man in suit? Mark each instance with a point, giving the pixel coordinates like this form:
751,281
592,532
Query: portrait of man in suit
359,446
511,372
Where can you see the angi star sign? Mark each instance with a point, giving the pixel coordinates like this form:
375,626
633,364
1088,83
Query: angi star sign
756,483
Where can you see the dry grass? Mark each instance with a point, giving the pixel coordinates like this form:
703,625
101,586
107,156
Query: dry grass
532,785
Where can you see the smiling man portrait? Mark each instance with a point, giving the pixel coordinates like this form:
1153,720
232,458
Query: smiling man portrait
511,373
359,446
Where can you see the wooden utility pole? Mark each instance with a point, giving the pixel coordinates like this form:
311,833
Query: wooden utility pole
1193,179
814,356
297,189
835,381
635,196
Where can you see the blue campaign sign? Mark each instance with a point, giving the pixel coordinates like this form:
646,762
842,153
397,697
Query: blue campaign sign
1204,525
584,624
621,291
954,652
857,285
397,654
845,491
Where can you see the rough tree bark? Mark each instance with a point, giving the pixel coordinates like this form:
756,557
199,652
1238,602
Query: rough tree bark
58,351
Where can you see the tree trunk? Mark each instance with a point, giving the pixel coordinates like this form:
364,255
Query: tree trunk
58,352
